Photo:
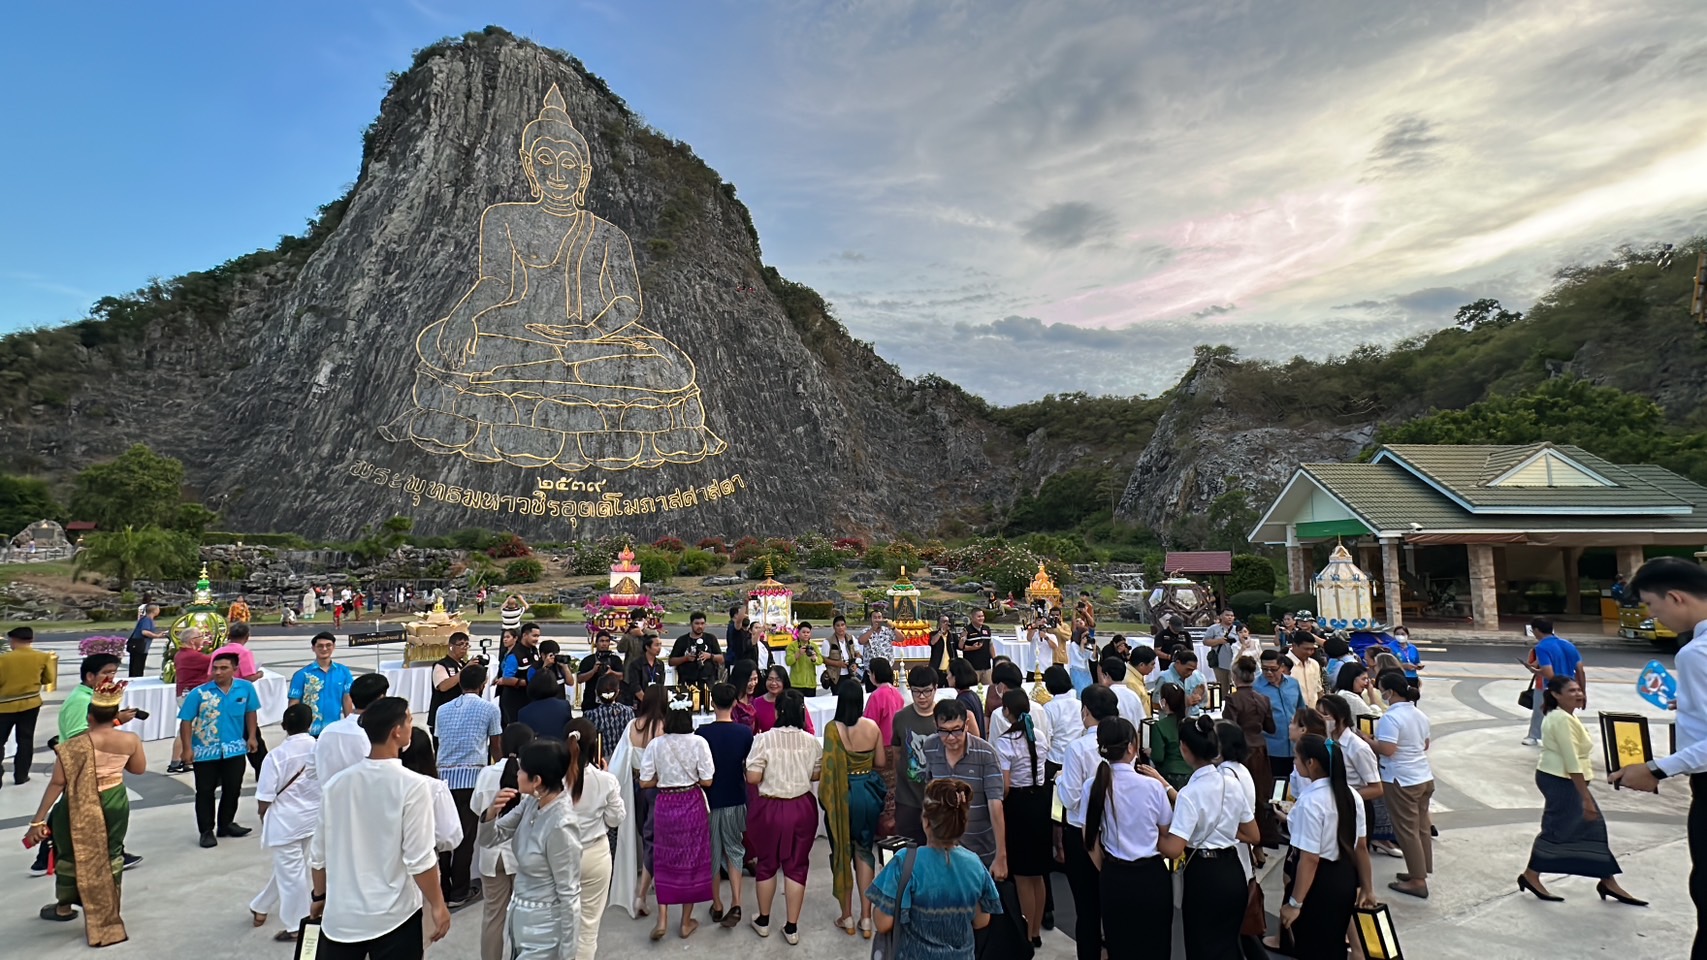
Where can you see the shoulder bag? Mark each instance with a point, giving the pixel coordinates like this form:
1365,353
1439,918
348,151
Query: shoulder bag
884,945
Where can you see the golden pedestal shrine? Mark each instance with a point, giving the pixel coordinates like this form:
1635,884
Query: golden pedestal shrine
428,639
904,612
202,615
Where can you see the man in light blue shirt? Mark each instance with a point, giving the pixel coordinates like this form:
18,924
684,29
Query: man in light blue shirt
1285,696
218,721
1185,673
323,685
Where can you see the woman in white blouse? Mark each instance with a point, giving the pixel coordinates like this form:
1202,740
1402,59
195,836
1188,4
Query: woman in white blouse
1125,815
1066,718
598,809
447,823
678,765
1021,753
783,763
1211,817
1401,741
1328,831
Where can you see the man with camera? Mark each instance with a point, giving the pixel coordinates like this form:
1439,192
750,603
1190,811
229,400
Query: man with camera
594,666
446,686
696,657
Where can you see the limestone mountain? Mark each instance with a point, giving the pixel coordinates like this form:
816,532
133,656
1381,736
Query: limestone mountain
531,312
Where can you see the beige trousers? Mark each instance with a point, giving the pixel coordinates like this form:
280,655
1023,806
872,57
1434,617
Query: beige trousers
595,893
1408,809
495,907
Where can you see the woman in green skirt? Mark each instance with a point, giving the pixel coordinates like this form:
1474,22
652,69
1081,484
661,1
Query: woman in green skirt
852,792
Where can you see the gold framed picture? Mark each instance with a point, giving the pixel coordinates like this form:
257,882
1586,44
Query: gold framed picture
1626,740
1366,725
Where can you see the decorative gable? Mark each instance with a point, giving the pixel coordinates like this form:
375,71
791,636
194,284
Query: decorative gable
1549,468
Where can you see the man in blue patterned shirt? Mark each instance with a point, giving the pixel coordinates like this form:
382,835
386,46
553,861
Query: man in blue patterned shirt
323,685
218,721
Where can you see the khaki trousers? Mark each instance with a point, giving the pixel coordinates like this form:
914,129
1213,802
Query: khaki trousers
595,893
1408,809
495,909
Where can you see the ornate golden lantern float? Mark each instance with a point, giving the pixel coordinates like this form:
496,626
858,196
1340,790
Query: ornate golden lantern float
201,614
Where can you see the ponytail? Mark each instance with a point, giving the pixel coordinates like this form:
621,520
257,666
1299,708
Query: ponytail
1393,681
1115,737
516,736
1018,706
1329,754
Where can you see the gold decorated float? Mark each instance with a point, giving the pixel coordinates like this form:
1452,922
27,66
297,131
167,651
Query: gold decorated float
428,639
770,607
1043,588
625,602
904,616
200,614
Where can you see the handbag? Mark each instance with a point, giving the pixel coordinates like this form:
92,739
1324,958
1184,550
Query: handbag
1526,699
1255,923
884,944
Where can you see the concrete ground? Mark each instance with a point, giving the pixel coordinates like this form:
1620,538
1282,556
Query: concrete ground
186,900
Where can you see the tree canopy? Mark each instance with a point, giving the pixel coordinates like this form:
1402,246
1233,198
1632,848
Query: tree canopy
23,501
139,489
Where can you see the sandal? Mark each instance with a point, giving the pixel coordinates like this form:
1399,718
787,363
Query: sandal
847,925
640,907
258,919
285,936
688,927
658,933
865,928
51,912
716,913
732,919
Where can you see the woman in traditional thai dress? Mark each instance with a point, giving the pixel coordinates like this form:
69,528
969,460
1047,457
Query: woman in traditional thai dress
781,826
744,677
90,814
853,792
764,707
677,764
545,903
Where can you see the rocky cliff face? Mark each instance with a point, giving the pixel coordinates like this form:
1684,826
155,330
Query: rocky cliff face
1201,451
634,371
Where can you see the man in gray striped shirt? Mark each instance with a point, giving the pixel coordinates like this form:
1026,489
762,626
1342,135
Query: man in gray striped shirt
954,754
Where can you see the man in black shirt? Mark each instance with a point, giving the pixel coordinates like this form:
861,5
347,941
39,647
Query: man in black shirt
446,679
645,670
696,657
976,647
518,669
594,666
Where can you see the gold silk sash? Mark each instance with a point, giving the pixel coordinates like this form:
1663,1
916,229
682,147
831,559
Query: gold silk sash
95,884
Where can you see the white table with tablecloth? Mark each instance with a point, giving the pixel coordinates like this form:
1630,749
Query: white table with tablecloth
161,701
415,684
1018,649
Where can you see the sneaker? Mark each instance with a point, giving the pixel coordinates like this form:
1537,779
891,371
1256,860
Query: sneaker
1531,742
791,936
762,929
208,840
131,860
36,871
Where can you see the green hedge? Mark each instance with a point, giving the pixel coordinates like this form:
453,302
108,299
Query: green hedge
1251,572
1248,603
523,570
545,611
818,612
1294,602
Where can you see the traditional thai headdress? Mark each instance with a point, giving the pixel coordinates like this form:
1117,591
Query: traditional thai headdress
680,701
109,694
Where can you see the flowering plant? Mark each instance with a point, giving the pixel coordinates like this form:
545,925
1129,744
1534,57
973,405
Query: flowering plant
89,646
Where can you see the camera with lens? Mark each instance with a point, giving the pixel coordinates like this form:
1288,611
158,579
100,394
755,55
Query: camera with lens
482,657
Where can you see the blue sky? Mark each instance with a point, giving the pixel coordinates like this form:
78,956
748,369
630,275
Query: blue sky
1046,184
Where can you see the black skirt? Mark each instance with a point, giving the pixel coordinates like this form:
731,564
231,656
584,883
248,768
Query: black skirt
1568,843
1321,926
1030,836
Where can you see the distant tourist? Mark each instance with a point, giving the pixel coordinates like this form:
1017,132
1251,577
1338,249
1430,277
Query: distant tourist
142,637
23,673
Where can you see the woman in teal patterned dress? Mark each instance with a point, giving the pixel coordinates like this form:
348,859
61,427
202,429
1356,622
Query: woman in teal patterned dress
949,895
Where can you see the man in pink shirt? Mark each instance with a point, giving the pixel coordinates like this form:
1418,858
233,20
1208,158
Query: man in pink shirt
236,639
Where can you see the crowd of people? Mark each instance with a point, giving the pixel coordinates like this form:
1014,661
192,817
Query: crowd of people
948,804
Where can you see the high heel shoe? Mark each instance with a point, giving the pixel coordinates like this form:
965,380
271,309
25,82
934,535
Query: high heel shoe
1524,884
1601,889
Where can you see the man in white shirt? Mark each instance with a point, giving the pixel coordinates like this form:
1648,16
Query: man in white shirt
1305,669
1111,673
372,854
343,743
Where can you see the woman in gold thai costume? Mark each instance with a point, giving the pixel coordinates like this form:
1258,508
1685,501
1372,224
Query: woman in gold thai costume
90,813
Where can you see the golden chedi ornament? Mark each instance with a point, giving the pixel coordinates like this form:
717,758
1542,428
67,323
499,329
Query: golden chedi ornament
202,616
428,639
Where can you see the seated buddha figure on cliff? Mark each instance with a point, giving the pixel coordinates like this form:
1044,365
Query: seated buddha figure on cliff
545,362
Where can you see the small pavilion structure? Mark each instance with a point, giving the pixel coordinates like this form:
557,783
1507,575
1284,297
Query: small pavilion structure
1510,525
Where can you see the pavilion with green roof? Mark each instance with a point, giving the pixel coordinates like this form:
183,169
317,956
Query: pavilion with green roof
1519,514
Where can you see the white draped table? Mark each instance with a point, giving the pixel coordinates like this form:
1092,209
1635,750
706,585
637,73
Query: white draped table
161,701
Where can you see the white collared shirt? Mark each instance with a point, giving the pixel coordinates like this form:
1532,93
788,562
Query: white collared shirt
1247,790
374,836
1407,727
288,783
487,859
1066,724
1361,765
1131,707
1691,668
1207,813
1041,723
600,807
1075,776
447,823
1315,820
342,744
1133,815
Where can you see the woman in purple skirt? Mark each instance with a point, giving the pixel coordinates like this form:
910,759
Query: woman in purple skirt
783,763
678,765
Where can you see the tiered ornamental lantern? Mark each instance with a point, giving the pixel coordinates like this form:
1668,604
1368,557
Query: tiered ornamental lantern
1043,588
904,613
770,607
625,602
201,614
428,639
1345,596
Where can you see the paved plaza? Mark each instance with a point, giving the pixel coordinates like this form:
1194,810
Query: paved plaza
188,901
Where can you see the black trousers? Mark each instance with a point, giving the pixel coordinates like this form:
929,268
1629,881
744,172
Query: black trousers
1082,878
1214,905
1698,860
138,650
23,725
455,865
1137,908
224,776
405,942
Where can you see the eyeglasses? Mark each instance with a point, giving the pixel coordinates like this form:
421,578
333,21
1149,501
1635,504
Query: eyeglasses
956,732
923,691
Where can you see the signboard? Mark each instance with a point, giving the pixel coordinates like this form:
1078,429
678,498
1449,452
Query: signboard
383,636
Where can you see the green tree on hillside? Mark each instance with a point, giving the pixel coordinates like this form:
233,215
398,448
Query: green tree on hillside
131,553
139,489
23,501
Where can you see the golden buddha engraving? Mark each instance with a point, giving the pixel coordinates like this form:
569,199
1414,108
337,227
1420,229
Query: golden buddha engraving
545,361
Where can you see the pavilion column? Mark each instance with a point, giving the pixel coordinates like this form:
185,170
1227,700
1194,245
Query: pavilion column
1391,586
1629,558
1573,581
1297,576
1366,556
1484,583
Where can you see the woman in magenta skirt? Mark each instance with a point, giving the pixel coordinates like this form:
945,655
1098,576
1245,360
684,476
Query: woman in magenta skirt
678,765
781,825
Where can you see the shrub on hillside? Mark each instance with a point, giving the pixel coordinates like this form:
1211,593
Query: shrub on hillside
656,566
779,563
1251,572
746,549
1248,603
523,570
714,544
509,546
823,557
670,544
698,563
